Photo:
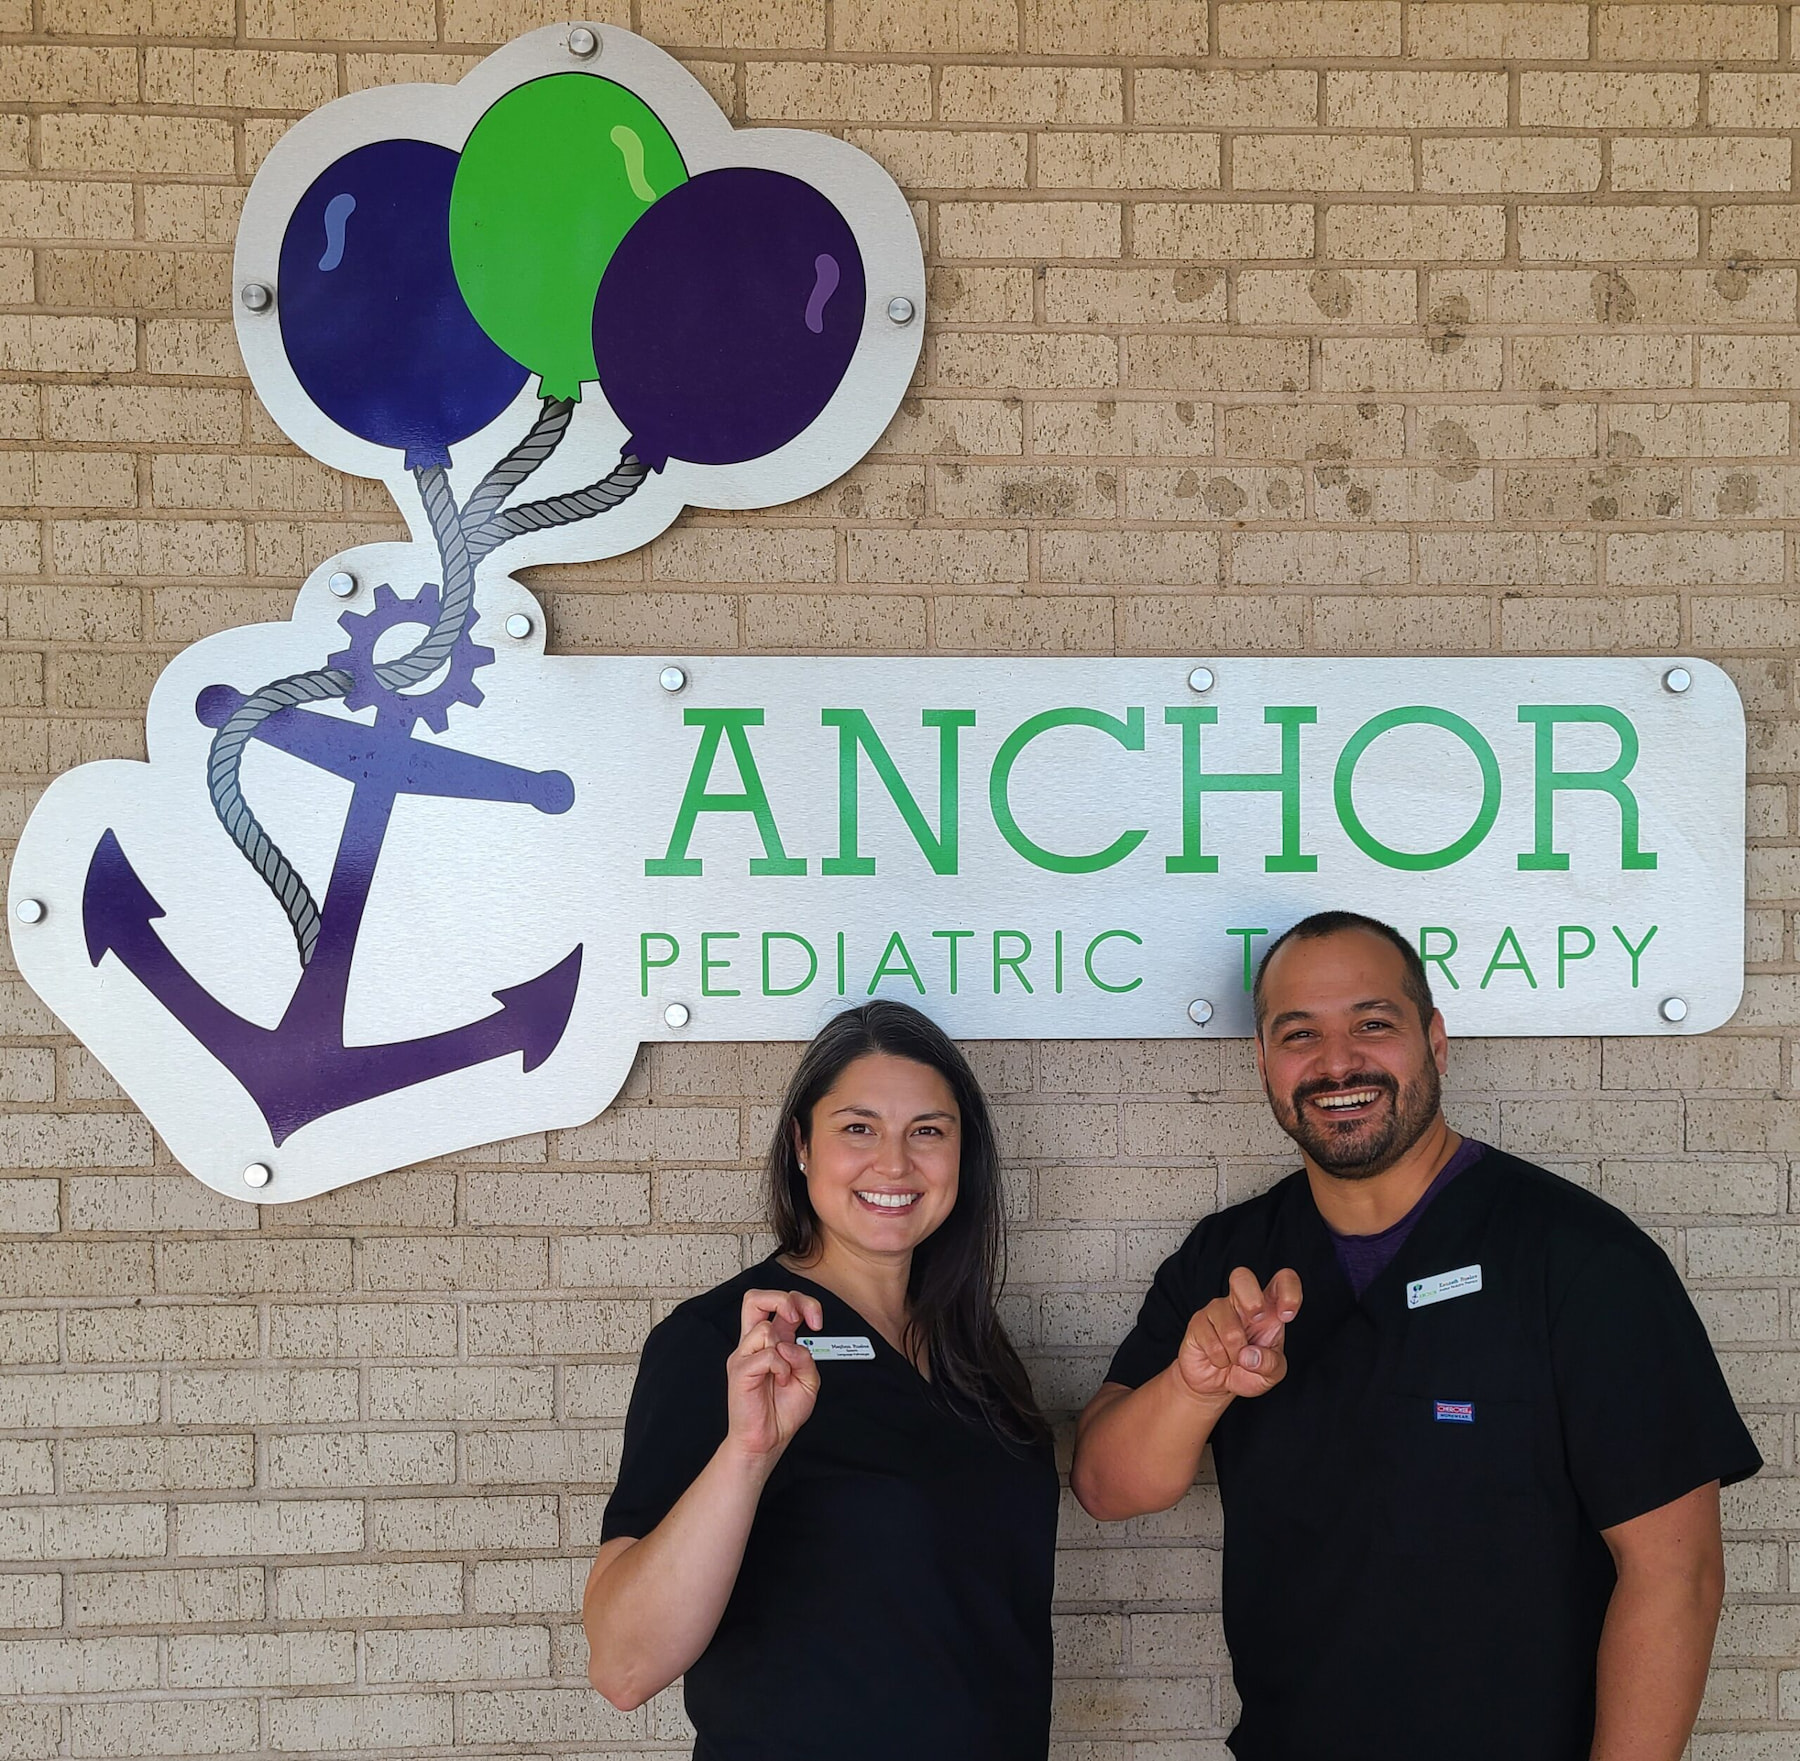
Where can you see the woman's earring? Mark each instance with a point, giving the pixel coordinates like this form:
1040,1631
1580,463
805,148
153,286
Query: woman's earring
802,1167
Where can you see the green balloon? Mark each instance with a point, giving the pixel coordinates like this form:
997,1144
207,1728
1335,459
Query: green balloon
552,178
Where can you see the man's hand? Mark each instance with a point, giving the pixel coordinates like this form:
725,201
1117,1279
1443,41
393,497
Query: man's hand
1233,1346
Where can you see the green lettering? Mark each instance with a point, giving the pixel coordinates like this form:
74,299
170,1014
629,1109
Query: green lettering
952,936
769,987
708,965
856,733
1441,960
905,969
1129,733
1566,956
1249,936
752,798
1611,781
1344,794
1087,960
1015,961
1520,964
1636,953
1197,783
646,965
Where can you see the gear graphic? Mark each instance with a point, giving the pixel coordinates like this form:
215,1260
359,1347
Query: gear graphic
407,708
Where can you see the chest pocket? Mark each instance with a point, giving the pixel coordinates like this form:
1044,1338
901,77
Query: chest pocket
1457,1466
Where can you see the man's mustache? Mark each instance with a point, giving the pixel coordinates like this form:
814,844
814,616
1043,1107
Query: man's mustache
1325,1086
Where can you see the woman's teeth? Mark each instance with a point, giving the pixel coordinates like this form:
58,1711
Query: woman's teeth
889,1201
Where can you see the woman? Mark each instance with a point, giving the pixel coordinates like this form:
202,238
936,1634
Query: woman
848,1549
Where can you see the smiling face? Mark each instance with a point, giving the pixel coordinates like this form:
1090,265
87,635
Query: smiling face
882,1155
1351,1072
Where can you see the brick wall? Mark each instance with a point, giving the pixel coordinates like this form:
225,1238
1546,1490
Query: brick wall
1379,328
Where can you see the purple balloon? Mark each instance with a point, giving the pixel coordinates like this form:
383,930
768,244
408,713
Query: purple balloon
727,317
373,322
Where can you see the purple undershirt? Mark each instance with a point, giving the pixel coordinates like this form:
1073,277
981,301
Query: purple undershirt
1365,1257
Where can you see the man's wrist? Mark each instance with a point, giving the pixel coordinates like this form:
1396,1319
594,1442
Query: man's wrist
1208,1407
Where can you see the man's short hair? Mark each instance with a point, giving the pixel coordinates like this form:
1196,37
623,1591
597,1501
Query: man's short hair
1330,923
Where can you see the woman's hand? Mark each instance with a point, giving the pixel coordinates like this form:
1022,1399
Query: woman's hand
771,1383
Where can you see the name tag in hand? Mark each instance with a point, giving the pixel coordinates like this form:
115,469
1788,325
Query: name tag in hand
836,1348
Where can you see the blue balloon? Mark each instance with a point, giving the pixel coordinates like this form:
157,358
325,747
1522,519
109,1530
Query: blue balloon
373,322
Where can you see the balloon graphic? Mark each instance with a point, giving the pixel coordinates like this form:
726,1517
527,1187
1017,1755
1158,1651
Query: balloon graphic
728,316
552,177
371,318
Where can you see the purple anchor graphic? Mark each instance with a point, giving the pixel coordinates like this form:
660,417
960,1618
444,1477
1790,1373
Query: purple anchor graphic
302,1069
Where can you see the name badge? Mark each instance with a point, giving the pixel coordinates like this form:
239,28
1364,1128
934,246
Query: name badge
836,1348
1422,1292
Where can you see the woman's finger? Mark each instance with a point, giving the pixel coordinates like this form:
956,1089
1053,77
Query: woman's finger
769,1305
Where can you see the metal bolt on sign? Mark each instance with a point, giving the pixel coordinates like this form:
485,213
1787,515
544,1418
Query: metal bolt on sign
342,584
1201,679
1677,679
1673,1009
29,911
518,626
671,678
1200,1011
900,309
584,44
258,1174
677,1015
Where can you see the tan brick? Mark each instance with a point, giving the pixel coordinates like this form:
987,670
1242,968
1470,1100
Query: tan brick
1615,100
1700,558
1122,428
1010,624
1379,232
1327,296
1321,162
976,361
946,158
1722,162
1210,623
1115,27
1034,96
953,558
1133,296
199,1726
1129,558
806,91
1093,159
1506,559
1225,97
1596,233
1222,363
138,18
1222,231
943,26
1222,493
1687,33
258,79
1753,100
1021,491
1395,624
1415,100
133,145
1029,229
1580,624
1560,164
1448,30
1284,28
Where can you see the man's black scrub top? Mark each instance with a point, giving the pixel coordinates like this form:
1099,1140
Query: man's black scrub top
894,1600
1413,1560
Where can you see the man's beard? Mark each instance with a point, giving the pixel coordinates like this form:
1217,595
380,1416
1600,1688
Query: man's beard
1362,1148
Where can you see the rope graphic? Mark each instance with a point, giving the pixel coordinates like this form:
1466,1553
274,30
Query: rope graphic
464,537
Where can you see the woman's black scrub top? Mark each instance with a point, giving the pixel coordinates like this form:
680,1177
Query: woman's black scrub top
1413,1559
894,1599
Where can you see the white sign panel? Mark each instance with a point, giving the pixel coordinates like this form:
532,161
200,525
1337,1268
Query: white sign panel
1026,849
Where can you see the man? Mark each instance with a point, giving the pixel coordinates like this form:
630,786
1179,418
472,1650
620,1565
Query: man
1471,1481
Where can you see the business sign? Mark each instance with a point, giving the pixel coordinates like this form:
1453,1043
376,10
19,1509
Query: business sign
394,882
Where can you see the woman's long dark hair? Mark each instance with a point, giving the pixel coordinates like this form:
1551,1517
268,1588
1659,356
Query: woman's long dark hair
957,1271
